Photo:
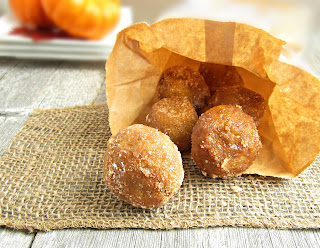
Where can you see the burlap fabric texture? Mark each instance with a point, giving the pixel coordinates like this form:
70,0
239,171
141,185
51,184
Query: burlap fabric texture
51,178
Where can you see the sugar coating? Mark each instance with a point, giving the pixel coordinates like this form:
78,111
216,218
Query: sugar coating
174,116
142,166
183,81
225,141
249,101
216,76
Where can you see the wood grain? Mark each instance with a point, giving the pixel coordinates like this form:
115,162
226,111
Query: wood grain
15,239
206,237
9,125
101,97
38,84
6,65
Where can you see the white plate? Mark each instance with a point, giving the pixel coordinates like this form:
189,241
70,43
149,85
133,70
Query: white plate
68,49
102,56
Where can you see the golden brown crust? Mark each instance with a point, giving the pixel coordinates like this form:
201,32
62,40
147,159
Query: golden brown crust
217,76
142,166
183,81
225,141
250,102
174,116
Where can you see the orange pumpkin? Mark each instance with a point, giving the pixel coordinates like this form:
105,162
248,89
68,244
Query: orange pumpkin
91,19
30,12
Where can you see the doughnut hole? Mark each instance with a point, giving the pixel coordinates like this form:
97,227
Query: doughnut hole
142,166
225,141
184,82
175,117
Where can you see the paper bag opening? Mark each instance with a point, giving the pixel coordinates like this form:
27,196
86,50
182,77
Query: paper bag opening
290,129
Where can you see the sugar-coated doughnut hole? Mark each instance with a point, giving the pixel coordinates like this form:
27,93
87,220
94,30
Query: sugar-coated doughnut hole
174,116
225,141
250,102
142,166
216,76
183,81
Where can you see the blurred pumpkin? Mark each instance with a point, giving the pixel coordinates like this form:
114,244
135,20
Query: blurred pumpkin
91,19
30,12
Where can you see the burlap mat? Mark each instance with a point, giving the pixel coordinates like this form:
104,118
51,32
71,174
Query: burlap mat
51,178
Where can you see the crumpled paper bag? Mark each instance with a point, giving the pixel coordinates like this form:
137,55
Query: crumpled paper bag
290,130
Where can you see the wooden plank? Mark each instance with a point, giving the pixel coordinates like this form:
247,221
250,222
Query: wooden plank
203,237
101,97
14,239
9,125
6,65
296,238
129,238
47,84
73,84
248,237
20,87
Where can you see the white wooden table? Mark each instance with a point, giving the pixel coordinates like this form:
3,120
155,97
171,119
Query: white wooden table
28,84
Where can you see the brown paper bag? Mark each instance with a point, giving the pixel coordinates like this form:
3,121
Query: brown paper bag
290,130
